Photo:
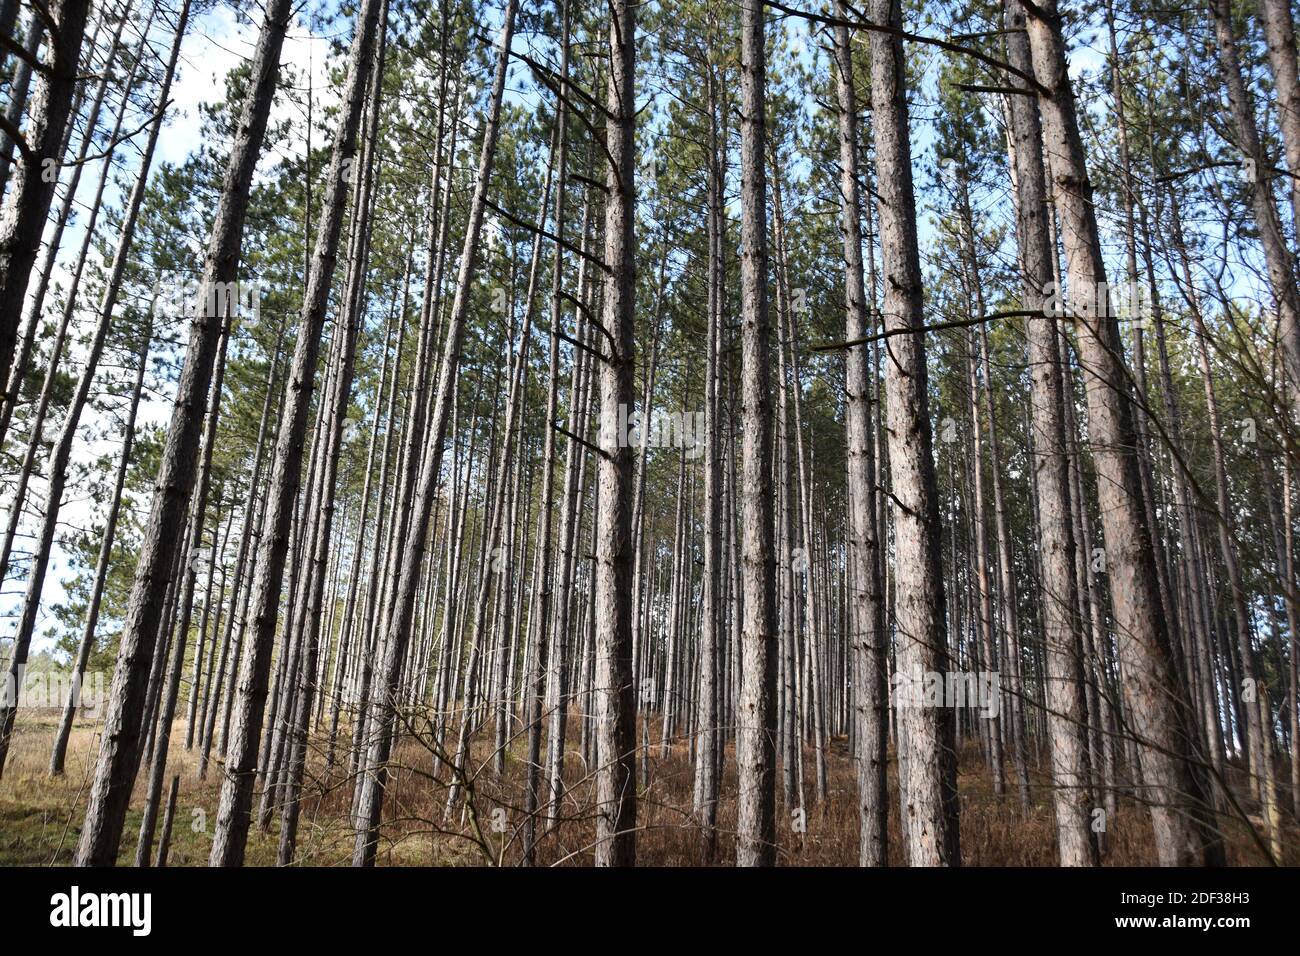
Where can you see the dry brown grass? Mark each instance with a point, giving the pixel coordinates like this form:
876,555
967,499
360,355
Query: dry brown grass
39,816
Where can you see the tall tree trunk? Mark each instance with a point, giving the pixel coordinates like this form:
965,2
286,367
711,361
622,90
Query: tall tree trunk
615,694
241,764
370,802
756,722
926,735
1056,545
351,319
708,752
867,640
562,660
535,690
120,743
1157,702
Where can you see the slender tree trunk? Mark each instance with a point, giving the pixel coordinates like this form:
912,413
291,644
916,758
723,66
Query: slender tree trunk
708,752
927,757
370,802
351,320
562,660
120,744
165,841
867,640
1156,701
1056,545
237,784
616,703
535,691
756,722
1293,623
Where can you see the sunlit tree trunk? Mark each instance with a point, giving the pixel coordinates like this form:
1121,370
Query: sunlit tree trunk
926,735
241,764
1157,703
615,695
757,717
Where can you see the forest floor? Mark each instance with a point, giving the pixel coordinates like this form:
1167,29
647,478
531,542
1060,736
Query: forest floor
40,816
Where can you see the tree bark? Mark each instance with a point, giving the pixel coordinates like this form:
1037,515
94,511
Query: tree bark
756,721
370,802
1052,479
926,735
1156,700
615,702
233,809
867,640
